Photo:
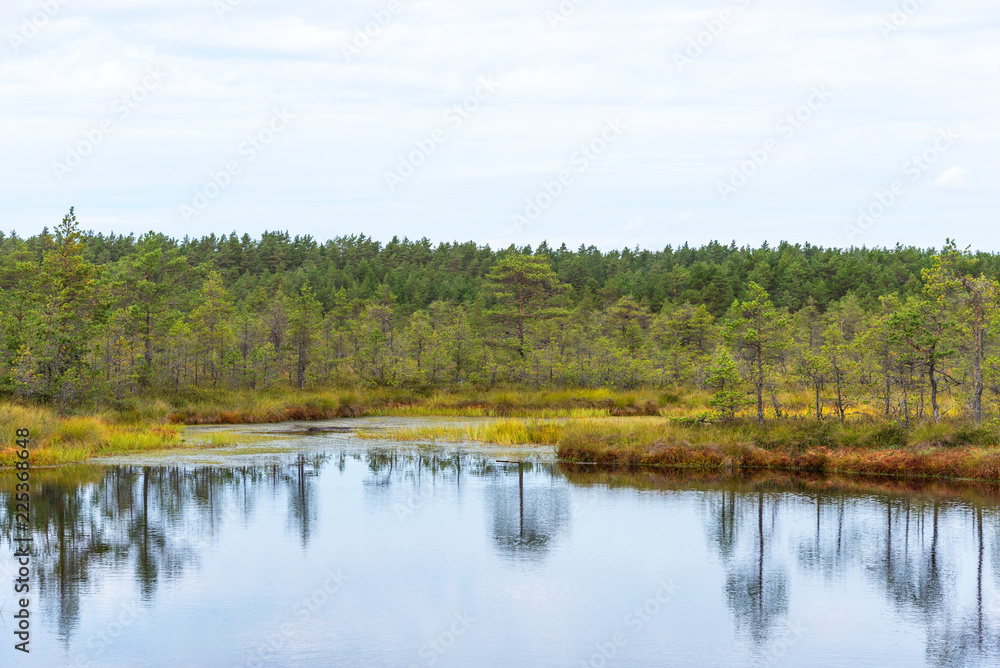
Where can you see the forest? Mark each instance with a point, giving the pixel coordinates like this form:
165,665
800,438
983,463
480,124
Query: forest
901,334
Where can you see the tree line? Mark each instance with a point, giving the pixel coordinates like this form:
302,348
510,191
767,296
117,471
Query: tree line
904,333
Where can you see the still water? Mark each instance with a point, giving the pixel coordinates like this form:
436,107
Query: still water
325,550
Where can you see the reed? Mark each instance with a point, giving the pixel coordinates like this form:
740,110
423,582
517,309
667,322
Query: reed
498,432
70,439
281,404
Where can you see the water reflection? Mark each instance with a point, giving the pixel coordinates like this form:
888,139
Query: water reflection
150,521
756,583
909,546
302,507
526,518
929,552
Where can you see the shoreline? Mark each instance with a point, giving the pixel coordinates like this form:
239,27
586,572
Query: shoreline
642,428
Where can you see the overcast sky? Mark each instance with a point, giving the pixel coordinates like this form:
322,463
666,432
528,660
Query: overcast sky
609,123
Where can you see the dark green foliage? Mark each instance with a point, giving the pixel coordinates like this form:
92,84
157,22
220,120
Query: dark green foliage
419,272
860,332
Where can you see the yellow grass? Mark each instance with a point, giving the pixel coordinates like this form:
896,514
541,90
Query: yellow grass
499,432
62,440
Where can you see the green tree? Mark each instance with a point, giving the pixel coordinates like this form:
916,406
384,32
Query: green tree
952,284
815,371
840,366
523,287
629,320
211,321
923,326
758,332
686,335
152,277
305,314
724,378
72,309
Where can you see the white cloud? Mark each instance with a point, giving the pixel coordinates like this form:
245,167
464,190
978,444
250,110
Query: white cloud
354,118
955,178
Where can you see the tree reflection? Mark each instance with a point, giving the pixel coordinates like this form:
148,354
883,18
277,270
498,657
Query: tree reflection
152,521
723,525
934,557
528,505
756,583
526,514
931,550
302,506
896,542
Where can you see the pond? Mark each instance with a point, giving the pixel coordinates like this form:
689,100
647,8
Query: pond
326,550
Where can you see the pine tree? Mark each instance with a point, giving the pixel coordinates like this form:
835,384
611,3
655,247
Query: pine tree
523,287
304,317
72,310
724,378
758,332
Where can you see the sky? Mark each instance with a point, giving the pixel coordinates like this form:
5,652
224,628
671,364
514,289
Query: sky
614,124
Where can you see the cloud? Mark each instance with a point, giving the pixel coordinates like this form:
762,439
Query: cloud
355,117
635,223
963,180
954,178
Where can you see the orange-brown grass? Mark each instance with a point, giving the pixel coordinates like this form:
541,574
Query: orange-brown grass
957,450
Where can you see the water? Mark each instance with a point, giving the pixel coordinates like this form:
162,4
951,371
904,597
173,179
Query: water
326,550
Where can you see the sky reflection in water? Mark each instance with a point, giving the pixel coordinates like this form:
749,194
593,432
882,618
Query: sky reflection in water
378,556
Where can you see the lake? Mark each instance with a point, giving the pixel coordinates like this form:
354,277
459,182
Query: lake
322,549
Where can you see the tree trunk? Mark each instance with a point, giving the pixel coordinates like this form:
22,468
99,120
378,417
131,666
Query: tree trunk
888,394
906,409
301,369
147,352
935,410
840,401
977,372
759,383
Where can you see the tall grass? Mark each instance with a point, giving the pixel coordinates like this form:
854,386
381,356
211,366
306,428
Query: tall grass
637,427
278,405
499,432
68,439
950,449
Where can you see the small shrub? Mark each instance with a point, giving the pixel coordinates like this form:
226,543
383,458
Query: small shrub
670,399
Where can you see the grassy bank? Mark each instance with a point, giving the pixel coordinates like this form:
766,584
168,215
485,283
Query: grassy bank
636,428
279,405
499,432
146,423
947,449
68,439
